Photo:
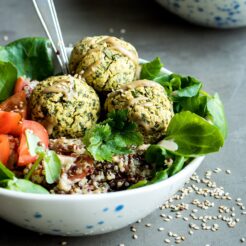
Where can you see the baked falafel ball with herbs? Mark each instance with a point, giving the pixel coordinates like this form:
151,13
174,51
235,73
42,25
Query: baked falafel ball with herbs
105,62
65,105
147,105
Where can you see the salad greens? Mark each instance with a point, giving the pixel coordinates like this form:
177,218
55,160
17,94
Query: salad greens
186,94
198,126
157,155
8,76
113,136
10,182
52,163
193,134
32,57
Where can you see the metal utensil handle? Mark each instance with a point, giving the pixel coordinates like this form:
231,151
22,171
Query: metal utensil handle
47,14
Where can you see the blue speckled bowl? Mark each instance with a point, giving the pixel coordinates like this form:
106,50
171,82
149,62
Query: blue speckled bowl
212,13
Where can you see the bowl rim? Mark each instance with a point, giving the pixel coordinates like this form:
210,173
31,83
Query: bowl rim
108,195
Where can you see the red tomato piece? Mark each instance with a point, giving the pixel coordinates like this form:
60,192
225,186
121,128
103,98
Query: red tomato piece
20,84
24,155
9,122
16,103
5,148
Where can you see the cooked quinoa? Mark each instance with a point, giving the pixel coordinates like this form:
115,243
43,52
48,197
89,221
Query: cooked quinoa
82,175
105,62
147,105
65,105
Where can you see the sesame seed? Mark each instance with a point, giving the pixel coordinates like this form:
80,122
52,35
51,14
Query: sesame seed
238,199
228,171
161,229
134,236
148,225
111,30
170,234
5,38
122,30
242,239
64,243
191,232
167,240
139,221
133,229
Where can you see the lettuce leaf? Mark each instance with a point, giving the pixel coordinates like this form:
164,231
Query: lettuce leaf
32,57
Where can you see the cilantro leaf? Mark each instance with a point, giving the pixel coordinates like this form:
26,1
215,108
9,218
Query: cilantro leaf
96,140
116,135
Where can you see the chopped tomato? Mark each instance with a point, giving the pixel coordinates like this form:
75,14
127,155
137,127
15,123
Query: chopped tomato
9,122
24,155
4,148
16,103
20,84
83,167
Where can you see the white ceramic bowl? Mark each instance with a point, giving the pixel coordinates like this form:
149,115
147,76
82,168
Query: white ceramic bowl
78,215
213,13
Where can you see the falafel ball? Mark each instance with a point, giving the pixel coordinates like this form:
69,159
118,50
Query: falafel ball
105,62
147,105
65,105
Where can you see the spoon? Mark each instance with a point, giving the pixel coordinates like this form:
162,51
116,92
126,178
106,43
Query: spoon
47,14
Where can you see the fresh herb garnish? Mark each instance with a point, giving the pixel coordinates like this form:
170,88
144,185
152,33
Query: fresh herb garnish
8,76
52,163
116,135
32,57
10,182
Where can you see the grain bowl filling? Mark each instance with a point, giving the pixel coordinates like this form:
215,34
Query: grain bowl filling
112,124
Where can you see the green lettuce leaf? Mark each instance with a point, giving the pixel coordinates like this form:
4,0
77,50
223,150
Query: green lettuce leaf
8,76
32,57
194,135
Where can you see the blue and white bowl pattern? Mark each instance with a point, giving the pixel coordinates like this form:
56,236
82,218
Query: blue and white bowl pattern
212,13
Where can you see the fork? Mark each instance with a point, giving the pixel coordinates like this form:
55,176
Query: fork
47,14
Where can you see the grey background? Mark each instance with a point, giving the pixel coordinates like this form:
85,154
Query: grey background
217,57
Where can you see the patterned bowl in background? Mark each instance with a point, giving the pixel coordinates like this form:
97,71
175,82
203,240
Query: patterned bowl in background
212,13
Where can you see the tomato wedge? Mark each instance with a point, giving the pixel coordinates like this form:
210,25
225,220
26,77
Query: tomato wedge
16,103
4,148
20,84
24,155
9,122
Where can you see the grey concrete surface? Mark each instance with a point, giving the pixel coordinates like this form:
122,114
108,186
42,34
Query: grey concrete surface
217,57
